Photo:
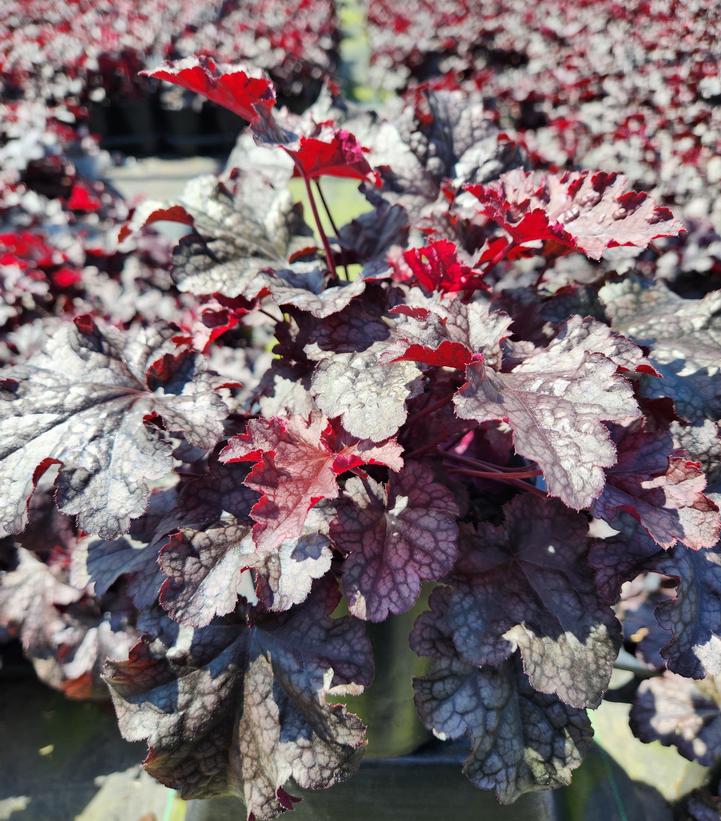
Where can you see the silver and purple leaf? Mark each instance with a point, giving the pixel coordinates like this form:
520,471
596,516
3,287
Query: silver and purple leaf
521,740
89,401
680,713
244,709
396,537
527,585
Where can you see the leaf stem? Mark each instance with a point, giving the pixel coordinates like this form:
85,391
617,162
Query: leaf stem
494,474
505,478
333,225
480,463
327,209
324,237
269,315
425,448
316,215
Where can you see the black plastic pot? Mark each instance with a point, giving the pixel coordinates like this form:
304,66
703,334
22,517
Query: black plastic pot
60,754
428,786
137,124
182,130
126,125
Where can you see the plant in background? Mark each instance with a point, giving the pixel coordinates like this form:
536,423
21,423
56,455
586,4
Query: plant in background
445,403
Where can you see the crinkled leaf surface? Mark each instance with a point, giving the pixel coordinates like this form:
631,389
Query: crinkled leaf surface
285,577
662,489
368,395
204,571
209,569
244,708
682,713
694,616
351,330
585,210
454,139
446,332
437,267
243,226
587,334
88,401
193,503
526,584
204,324
521,740
285,389
297,462
556,401
684,338
307,291
397,536
28,596
703,443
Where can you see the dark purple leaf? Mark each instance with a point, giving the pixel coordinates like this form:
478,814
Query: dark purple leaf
367,239
527,585
396,536
682,713
701,805
194,503
244,709
620,558
661,488
521,740
694,616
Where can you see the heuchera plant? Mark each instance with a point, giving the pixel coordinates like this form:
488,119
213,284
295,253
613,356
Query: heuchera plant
433,411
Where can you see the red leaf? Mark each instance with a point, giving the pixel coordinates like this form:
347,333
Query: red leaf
82,199
447,333
230,86
436,267
334,154
588,211
67,277
141,219
296,464
208,322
